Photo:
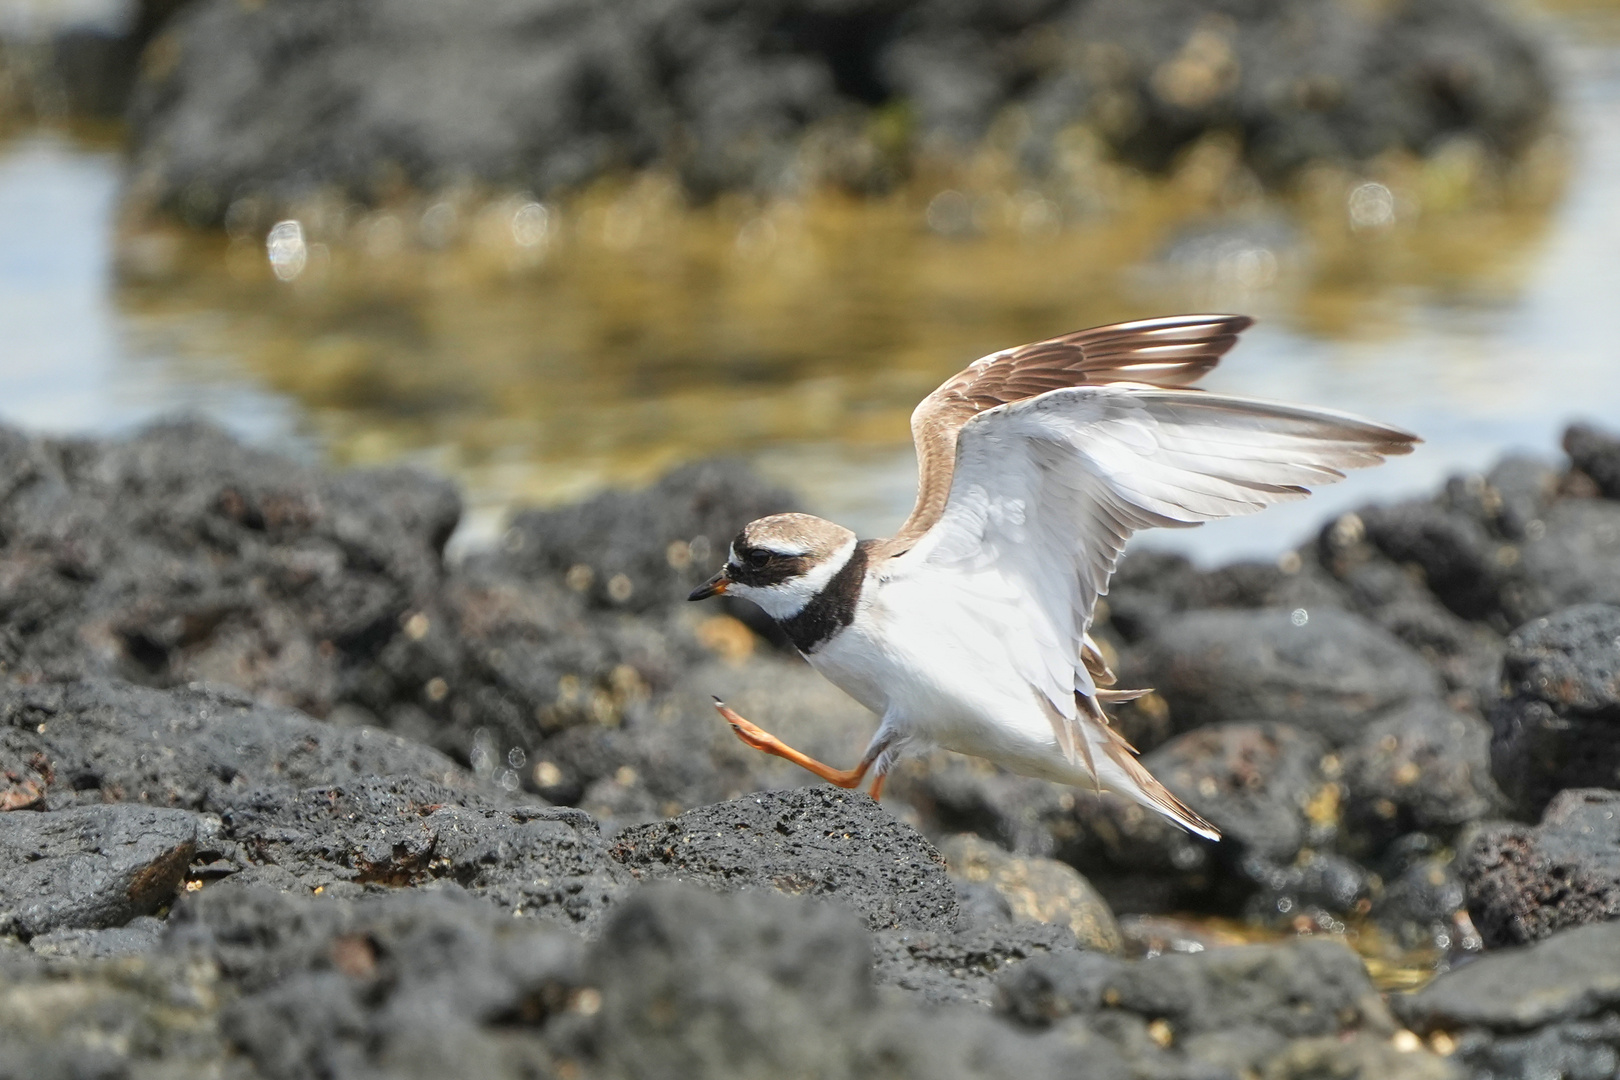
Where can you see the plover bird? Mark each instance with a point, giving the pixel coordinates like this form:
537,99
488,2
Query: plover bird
969,629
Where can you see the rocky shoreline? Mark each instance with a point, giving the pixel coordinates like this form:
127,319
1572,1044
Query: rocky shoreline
283,792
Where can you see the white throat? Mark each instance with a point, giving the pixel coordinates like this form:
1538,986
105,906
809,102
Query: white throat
786,599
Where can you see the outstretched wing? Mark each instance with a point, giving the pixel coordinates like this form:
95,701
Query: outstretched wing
1169,352
1047,489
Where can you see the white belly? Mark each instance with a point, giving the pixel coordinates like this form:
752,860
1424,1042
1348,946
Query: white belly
941,673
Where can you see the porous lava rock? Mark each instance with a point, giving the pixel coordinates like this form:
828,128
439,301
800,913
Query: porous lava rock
1265,787
414,983
1596,454
645,549
290,800
1571,557
1526,883
181,554
1558,724
816,841
93,741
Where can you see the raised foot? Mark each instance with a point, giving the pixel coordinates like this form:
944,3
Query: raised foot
748,731
764,741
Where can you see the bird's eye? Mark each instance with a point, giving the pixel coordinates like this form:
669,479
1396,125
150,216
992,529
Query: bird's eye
758,559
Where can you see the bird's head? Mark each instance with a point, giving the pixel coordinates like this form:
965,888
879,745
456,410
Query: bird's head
781,562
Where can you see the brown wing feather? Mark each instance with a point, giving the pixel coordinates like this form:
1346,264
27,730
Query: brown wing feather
1171,352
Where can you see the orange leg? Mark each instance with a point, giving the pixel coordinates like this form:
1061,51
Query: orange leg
763,740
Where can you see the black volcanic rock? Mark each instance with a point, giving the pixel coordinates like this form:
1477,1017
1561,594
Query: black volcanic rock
92,866
1307,1008
754,984
408,983
1571,557
1264,786
102,740
304,802
1254,781
817,841
1559,724
1425,768
1597,454
357,904
1454,551
1322,670
546,862
640,550
1548,1009
181,554
1527,883
551,94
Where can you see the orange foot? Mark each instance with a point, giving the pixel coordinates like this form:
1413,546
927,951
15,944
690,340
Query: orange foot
762,740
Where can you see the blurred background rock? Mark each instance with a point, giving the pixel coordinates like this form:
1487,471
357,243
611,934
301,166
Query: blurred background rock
547,246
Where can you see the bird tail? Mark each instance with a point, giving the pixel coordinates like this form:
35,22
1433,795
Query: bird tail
1099,741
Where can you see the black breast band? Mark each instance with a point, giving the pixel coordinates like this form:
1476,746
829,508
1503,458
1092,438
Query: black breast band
831,609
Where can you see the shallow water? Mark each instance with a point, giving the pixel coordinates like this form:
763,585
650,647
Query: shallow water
539,354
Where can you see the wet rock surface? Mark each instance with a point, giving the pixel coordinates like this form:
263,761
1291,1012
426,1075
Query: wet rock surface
786,96
463,861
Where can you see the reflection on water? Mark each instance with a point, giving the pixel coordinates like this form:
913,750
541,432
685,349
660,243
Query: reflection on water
539,352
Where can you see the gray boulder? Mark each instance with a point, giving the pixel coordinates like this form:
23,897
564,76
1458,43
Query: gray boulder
755,984
1571,557
545,862
409,983
1298,1009
1265,787
101,740
641,550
